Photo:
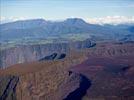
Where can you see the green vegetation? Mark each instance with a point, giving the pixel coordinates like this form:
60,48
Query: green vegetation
33,41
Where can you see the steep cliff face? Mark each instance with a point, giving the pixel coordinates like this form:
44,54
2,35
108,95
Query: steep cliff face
8,87
49,80
28,53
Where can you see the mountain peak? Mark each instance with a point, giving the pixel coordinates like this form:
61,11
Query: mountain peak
75,20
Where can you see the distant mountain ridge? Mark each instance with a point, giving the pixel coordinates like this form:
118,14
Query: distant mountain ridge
37,28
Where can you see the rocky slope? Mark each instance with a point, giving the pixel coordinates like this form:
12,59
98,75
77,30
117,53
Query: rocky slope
110,49
28,53
112,78
8,87
110,74
40,80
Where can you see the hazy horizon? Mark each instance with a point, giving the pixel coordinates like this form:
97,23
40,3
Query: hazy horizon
93,11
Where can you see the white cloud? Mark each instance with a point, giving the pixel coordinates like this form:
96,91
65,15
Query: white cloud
2,18
103,20
11,19
111,20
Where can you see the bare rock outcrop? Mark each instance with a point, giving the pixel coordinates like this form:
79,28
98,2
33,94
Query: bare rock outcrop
28,53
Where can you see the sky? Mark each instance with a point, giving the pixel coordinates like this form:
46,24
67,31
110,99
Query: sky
101,11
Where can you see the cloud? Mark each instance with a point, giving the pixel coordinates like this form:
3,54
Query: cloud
111,20
103,20
11,19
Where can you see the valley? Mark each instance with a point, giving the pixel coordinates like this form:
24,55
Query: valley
66,60
109,72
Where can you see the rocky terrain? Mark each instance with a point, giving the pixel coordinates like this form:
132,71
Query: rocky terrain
28,53
41,80
32,40
66,60
103,72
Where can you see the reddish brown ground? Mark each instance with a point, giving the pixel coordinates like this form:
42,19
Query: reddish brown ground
110,67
